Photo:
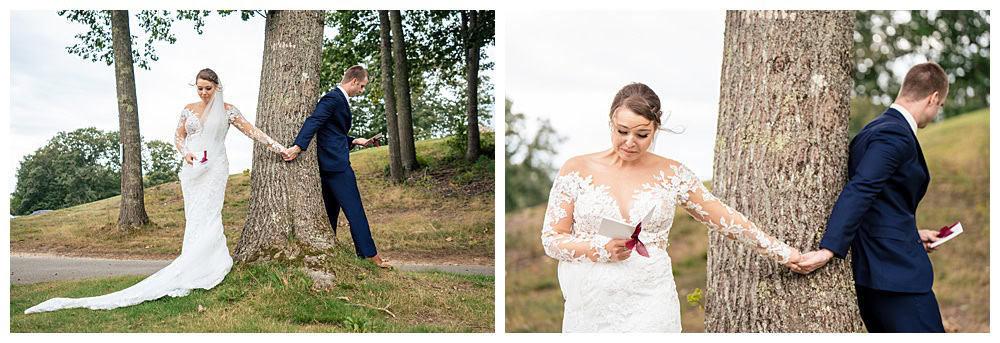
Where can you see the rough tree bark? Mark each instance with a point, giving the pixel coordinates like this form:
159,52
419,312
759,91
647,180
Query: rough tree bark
469,25
407,150
132,209
286,213
781,159
389,97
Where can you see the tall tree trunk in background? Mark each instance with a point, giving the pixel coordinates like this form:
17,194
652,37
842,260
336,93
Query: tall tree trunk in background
132,209
286,213
389,97
781,160
407,149
469,25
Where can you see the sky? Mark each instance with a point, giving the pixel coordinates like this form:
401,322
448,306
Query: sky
567,67
52,90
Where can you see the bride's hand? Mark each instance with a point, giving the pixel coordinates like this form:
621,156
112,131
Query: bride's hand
793,259
617,249
189,158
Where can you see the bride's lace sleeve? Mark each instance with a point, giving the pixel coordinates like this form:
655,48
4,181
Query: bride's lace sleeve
236,118
181,134
558,238
708,210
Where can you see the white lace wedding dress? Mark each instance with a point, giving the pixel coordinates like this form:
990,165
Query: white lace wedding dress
204,259
637,294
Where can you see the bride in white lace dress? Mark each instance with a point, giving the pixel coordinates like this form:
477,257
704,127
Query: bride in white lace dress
607,288
204,260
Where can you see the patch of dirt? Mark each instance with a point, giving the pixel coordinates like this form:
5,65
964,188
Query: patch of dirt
411,257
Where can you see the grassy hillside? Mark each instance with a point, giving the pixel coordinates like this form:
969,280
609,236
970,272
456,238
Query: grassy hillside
444,211
957,153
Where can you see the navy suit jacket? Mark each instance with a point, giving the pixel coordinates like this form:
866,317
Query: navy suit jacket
329,122
875,213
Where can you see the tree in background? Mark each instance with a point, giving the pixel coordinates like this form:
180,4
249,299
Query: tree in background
404,111
781,160
888,43
477,31
285,211
162,164
529,179
81,166
389,97
132,210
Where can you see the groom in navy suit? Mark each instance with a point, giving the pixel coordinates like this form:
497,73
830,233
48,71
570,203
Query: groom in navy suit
330,122
875,213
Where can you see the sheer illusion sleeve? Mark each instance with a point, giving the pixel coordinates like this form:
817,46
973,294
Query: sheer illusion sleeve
236,118
558,238
708,210
180,135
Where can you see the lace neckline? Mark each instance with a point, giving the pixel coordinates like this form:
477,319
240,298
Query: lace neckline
602,191
197,116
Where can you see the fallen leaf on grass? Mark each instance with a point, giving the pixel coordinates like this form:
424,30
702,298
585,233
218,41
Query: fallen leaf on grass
344,298
448,239
201,308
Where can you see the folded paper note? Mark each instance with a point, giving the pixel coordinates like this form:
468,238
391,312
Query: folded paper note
619,230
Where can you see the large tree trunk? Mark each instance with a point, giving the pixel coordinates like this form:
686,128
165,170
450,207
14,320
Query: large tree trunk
132,209
469,25
286,212
781,157
389,97
407,149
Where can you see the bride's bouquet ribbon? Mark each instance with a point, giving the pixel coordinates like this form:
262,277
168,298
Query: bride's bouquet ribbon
634,242
205,159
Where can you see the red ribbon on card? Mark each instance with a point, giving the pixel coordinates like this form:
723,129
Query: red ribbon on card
945,231
636,243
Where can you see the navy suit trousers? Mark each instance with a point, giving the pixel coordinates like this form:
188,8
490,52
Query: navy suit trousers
340,191
885,311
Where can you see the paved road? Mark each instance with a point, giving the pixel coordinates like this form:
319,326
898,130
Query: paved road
24,270
32,269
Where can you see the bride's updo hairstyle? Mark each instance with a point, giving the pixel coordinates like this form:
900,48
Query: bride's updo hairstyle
207,75
641,100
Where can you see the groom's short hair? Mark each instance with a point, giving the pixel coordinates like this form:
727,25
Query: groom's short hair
355,72
923,80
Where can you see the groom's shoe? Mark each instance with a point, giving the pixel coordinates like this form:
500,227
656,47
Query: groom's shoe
377,260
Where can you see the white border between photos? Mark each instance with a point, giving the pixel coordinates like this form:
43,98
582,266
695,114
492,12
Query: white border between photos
502,7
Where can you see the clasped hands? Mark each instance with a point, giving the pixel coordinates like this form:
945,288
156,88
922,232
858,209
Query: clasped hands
810,261
291,153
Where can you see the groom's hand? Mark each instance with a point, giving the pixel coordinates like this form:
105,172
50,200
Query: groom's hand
928,237
813,260
362,141
291,153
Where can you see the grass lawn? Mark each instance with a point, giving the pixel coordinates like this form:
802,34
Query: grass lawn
957,153
277,298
